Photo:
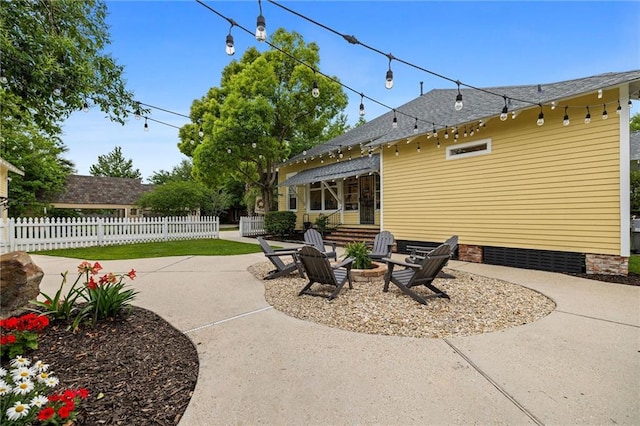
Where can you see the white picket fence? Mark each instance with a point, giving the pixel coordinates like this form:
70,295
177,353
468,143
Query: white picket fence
34,234
250,226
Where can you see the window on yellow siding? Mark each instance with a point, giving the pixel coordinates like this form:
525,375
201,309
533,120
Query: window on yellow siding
469,149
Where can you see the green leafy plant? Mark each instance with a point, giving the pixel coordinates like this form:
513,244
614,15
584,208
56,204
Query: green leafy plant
280,223
322,223
18,334
104,298
25,397
360,252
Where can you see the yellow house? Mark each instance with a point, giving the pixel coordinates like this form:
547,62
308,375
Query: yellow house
5,168
537,177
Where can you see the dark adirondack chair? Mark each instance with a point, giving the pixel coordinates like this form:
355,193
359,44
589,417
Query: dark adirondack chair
275,255
382,246
418,253
319,270
418,274
314,238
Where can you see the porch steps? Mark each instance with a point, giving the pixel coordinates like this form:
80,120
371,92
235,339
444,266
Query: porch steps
347,234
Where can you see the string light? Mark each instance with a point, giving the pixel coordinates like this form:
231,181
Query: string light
57,91
200,131
85,106
261,25
465,131
605,115
565,120
315,92
446,134
361,104
394,124
619,109
389,81
230,49
397,153
587,118
599,93
136,114
458,105
540,121
505,111
3,77
418,149
146,126
438,143
415,128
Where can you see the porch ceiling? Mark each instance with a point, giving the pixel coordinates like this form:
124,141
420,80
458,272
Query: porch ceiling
343,169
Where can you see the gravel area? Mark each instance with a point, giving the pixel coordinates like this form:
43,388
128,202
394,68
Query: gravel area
477,305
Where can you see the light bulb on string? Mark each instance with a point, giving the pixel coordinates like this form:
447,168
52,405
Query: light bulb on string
228,150
418,149
230,48
553,105
415,126
146,126
85,106
565,120
438,143
261,26
315,92
605,115
446,134
458,105
389,78
540,120
471,131
397,153
599,93
254,145
57,91
434,132
505,111
361,104
200,131
619,109
394,124
3,77
456,135
587,118
136,113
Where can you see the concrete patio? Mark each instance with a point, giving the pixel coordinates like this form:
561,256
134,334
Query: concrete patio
579,365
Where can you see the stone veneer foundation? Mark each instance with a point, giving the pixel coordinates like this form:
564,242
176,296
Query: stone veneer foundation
607,264
470,253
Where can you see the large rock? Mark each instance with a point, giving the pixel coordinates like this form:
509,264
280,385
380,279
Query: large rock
19,282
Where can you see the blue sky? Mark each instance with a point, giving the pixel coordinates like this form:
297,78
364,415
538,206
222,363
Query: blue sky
173,52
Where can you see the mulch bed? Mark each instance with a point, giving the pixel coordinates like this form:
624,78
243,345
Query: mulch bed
139,370
631,279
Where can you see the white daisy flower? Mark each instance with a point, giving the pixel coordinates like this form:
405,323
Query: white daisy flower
17,411
21,373
23,387
41,366
4,388
20,361
3,372
39,401
42,376
52,381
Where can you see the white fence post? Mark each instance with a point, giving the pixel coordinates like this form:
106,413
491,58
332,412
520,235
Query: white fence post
29,234
251,226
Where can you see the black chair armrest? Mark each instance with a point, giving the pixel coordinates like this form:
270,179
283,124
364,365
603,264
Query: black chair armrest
345,263
288,252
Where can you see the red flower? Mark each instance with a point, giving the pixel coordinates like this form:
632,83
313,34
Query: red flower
111,278
84,267
91,284
11,338
54,397
70,405
69,395
96,268
46,413
83,393
64,412
132,273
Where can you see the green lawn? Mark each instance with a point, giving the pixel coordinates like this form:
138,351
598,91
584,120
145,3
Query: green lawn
634,264
210,247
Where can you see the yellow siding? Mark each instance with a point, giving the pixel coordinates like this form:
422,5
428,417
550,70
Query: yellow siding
550,187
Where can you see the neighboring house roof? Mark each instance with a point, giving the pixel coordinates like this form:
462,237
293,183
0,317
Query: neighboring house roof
101,190
339,170
436,107
10,167
634,145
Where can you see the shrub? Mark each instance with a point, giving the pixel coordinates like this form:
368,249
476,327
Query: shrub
280,223
322,222
360,252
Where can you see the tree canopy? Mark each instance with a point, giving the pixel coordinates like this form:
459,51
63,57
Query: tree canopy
262,113
181,172
634,124
114,164
53,64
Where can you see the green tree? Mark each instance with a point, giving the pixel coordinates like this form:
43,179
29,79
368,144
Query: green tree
181,172
634,124
114,164
173,198
53,62
262,113
635,192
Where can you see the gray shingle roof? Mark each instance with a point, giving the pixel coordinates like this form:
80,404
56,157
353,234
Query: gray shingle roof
436,107
339,170
634,146
101,190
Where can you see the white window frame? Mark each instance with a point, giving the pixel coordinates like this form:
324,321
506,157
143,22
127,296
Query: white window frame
292,190
324,185
451,156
